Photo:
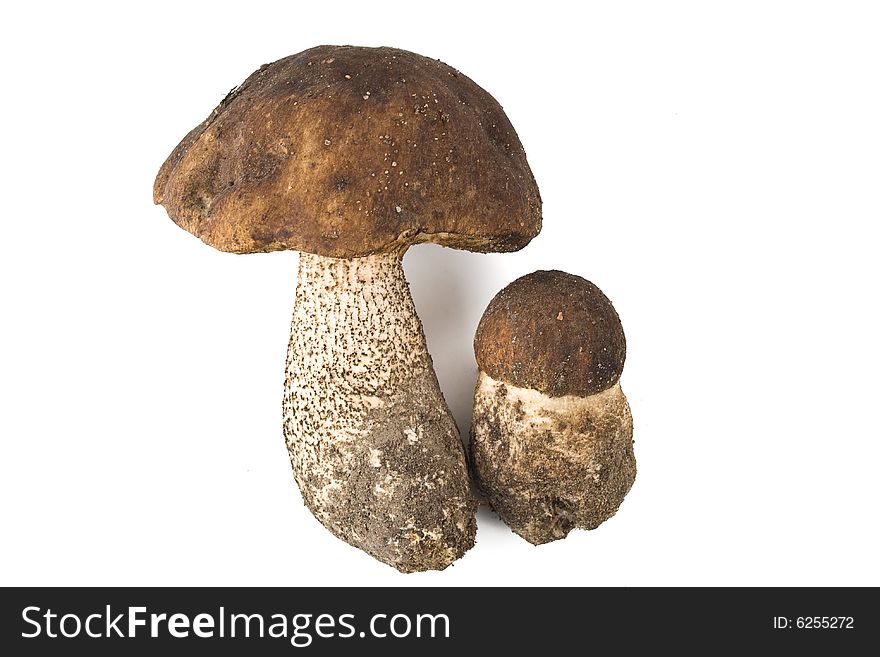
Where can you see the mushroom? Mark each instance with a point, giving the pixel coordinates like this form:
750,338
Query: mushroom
551,437
350,155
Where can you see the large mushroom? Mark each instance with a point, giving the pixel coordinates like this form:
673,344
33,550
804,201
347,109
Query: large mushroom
350,155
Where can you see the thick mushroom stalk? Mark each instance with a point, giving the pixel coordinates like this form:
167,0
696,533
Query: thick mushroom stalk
550,464
373,446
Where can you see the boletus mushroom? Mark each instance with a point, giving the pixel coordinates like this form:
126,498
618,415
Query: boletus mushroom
551,437
350,155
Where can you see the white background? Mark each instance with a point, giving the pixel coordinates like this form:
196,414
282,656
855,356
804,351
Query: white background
713,167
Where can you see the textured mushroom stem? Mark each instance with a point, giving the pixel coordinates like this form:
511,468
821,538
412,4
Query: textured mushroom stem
374,449
550,464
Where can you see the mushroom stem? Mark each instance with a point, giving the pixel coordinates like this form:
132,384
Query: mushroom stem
550,464
374,449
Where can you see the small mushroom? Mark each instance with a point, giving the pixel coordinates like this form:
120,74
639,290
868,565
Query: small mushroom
551,437
350,155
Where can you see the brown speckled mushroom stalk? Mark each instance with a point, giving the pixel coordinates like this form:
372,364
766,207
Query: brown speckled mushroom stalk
350,155
551,437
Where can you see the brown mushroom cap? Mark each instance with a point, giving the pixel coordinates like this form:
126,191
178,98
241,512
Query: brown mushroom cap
553,332
345,151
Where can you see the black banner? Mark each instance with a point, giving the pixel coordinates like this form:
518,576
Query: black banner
411,621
